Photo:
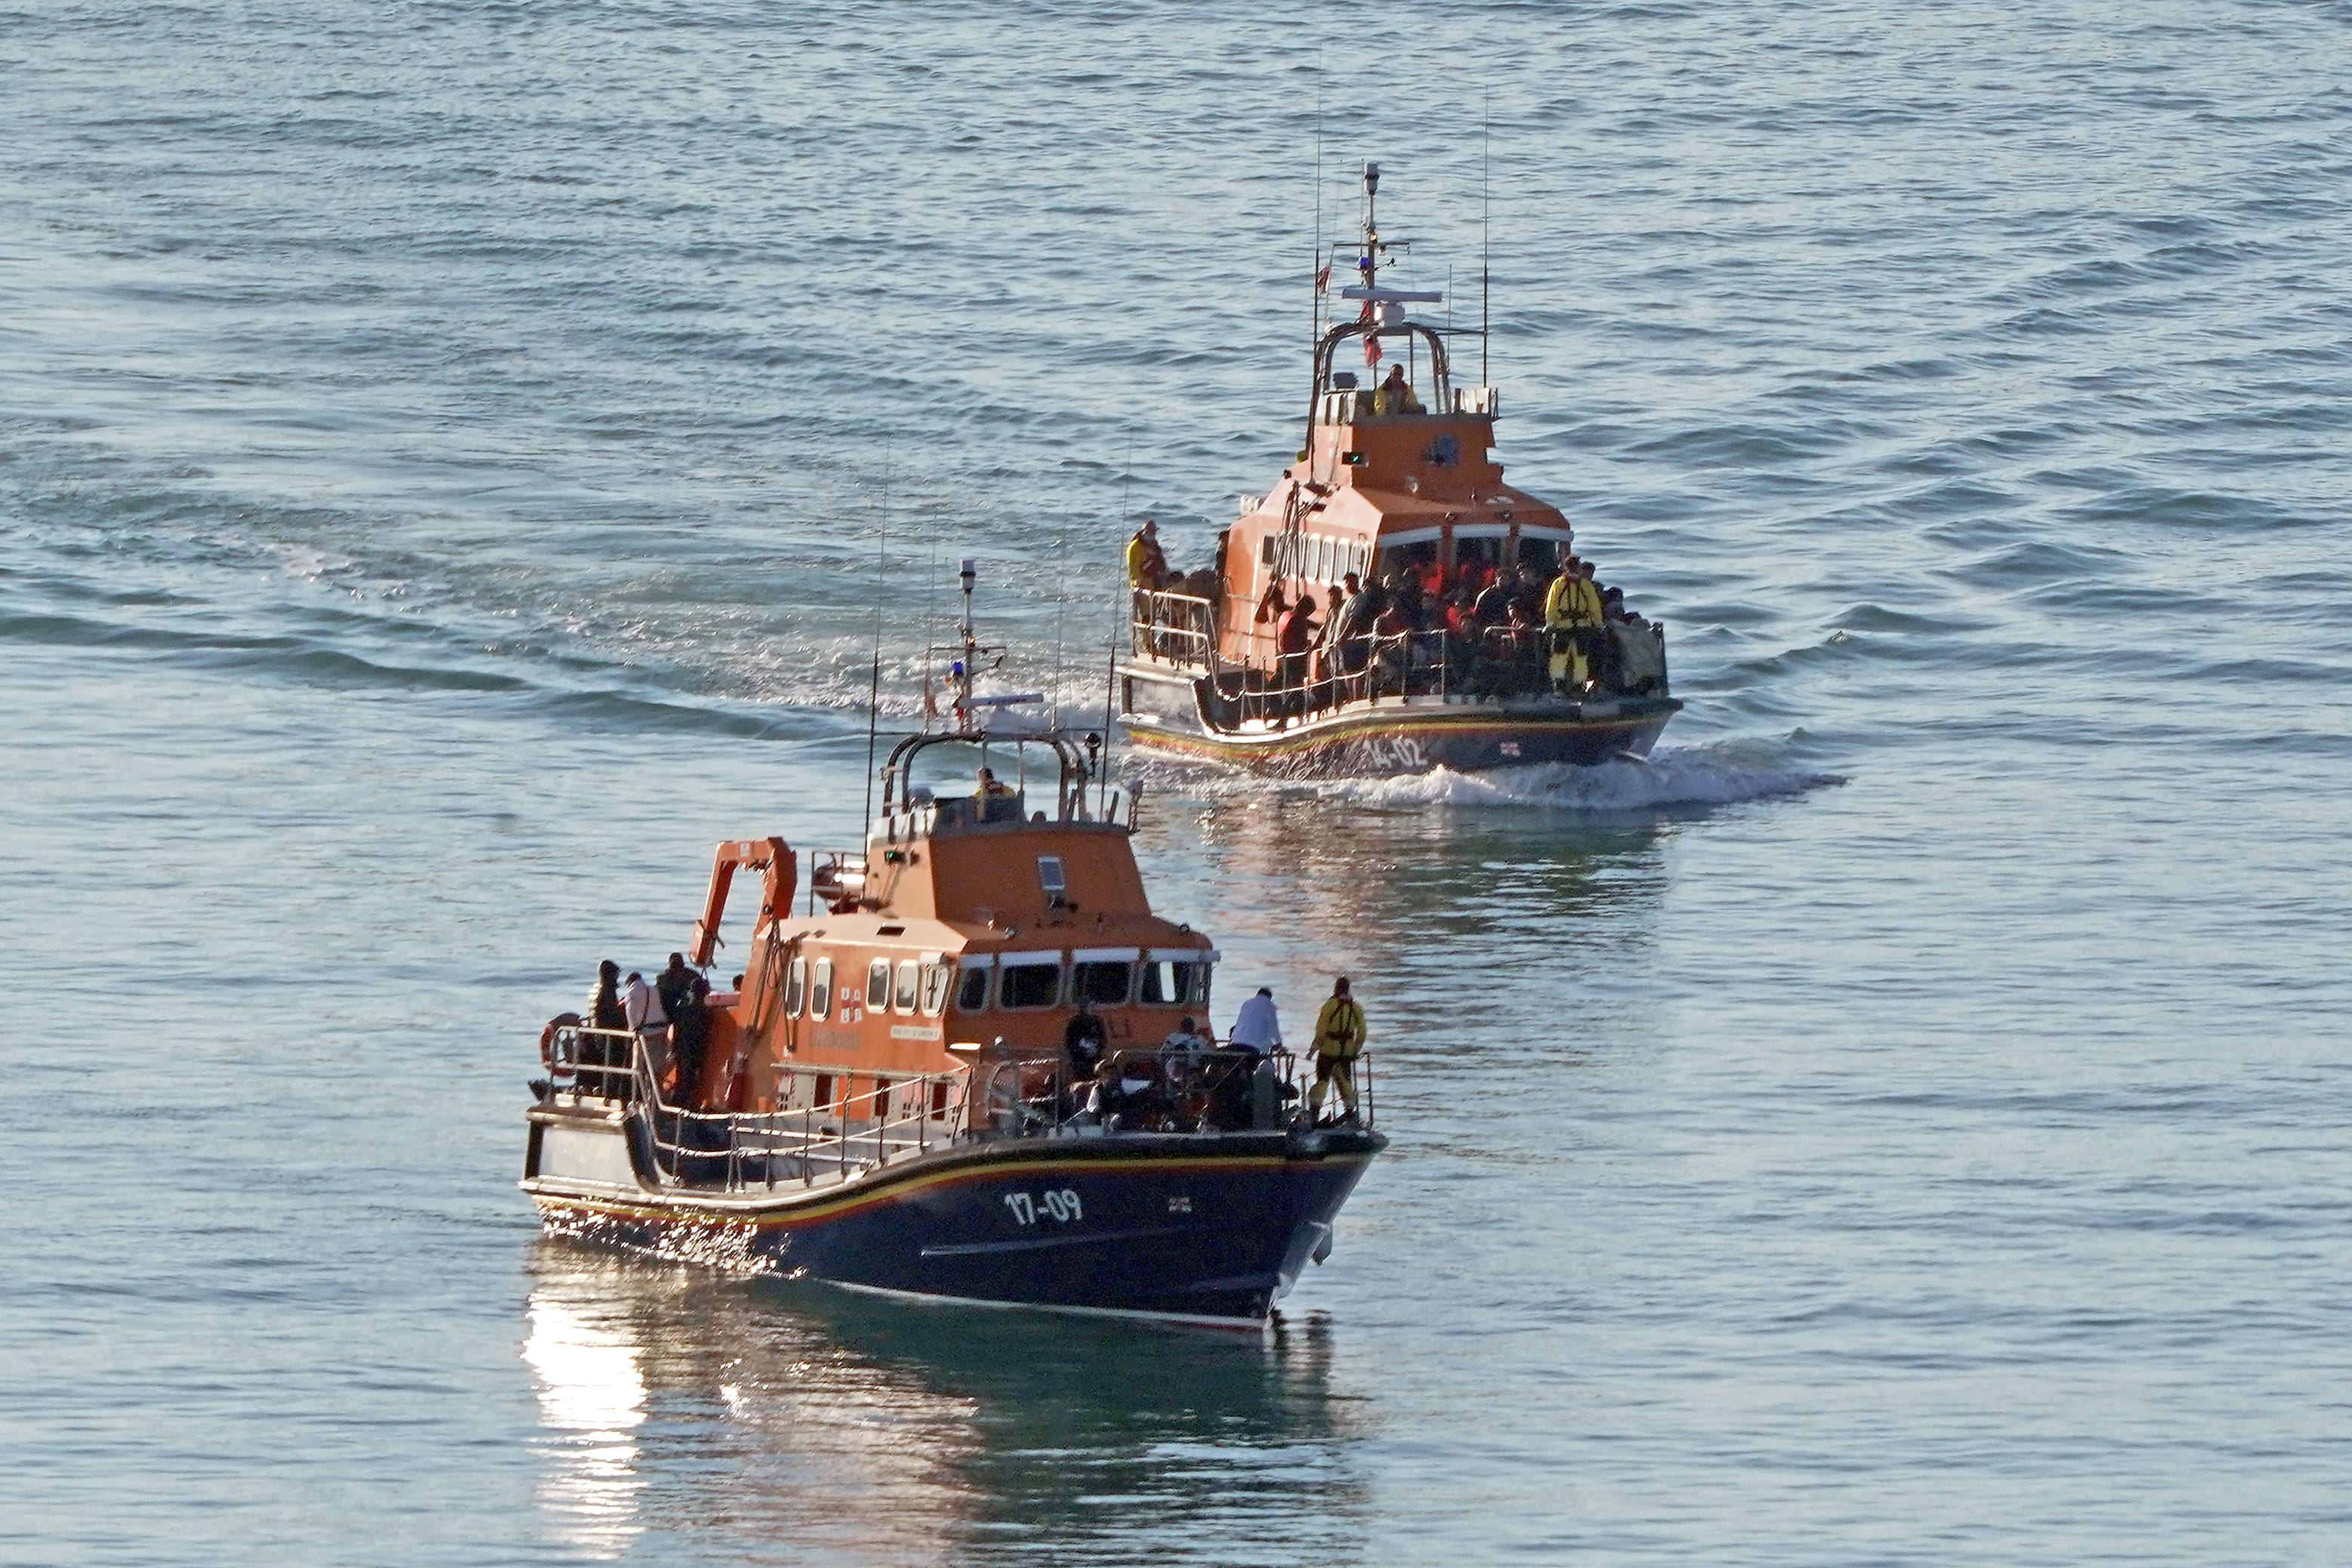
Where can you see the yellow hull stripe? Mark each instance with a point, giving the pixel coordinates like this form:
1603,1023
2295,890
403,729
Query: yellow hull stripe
765,1217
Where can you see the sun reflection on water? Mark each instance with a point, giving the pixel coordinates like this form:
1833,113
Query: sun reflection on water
790,1423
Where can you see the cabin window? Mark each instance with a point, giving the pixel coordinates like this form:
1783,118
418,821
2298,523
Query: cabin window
820,1097
1104,985
1030,983
1050,876
935,988
1540,556
972,996
795,987
821,989
1169,984
1477,560
881,1100
939,1098
1415,560
902,1000
1265,549
877,983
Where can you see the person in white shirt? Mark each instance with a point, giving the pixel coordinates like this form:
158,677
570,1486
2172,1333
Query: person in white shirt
1256,1028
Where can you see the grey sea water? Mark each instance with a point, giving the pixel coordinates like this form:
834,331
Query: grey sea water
444,455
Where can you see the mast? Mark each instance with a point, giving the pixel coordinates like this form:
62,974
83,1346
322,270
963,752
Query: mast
960,672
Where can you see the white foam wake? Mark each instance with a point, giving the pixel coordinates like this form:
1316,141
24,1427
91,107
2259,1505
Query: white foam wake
1672,776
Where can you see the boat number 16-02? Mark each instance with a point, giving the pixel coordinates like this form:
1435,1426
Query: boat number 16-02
1062,1206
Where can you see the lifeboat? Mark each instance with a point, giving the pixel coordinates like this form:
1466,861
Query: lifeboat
1443,653
887,1098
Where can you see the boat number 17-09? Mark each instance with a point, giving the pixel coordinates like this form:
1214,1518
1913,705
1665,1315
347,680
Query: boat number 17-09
1061,1206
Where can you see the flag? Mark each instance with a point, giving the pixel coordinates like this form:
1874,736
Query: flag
1323,278
1372,350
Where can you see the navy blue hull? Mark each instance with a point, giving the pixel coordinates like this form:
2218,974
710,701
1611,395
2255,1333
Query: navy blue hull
1211,1227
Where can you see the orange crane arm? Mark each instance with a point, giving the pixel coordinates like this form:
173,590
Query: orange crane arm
769,855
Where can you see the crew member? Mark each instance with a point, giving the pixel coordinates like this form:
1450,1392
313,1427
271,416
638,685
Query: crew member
1147,564
990,787
1572,617
1395,393
1339,1041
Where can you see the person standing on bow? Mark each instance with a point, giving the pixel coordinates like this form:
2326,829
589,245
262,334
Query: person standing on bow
1339,1041
1572,620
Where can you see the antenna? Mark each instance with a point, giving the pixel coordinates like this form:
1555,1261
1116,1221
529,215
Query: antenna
873,689
1126,479
1485,227
1314,267
1061,599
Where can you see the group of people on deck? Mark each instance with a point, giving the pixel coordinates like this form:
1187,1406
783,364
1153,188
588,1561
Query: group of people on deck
1145,1089
1480,629
671,1017
1475,631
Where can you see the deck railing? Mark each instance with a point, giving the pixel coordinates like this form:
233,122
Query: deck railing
851,1121
1483,664
1156,1090
836,1130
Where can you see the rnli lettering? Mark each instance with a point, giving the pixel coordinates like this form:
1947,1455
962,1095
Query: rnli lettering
914,1032
1061,1206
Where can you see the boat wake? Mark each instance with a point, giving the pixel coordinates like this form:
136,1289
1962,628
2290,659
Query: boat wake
1673,777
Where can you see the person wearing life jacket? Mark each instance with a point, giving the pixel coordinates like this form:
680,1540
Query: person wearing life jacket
1394,395
1572,617
1147,564
1339,1041
990,787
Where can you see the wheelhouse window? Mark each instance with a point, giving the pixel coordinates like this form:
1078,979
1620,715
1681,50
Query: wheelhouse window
937,977
971,993
1104,984
821,989
909,986
1169,983
1416,559
795,987
1050,876
1029,982
1539,556
877,983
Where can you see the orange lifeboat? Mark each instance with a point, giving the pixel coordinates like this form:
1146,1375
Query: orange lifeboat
900,1096
1457,642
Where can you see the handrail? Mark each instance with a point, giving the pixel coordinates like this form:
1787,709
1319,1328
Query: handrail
1482,664
1182,1091
768,1148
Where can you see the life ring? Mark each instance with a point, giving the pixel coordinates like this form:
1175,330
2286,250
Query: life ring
547,1038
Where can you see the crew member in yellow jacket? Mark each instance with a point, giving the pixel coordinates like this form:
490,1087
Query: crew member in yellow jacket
1572,615
1339,1041
1147,564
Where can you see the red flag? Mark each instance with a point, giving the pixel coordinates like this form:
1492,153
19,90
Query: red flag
1323,278
1372,350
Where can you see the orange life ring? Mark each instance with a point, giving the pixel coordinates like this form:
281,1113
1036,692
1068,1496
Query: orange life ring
547,1038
